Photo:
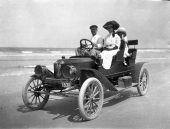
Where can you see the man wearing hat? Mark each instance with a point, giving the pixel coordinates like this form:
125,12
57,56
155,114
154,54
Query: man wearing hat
97,41
111,44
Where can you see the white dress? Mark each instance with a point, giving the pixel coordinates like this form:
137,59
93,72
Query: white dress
107,55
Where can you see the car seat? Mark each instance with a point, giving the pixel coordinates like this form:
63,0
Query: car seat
119,56
120,53
132,51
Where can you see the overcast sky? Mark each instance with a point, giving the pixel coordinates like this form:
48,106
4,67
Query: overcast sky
62,23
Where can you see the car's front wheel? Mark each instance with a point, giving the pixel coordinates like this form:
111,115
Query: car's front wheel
34,94
91,98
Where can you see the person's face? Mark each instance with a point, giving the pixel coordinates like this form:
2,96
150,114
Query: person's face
94,31
120,34
110,29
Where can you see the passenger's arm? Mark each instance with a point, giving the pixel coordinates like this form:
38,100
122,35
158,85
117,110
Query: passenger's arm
110,48
100,43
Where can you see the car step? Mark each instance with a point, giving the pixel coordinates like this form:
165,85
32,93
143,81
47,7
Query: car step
116,93
123,88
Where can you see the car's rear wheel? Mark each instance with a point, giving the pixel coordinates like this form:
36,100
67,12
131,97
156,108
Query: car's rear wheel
141,77
32,94
143,82
91,98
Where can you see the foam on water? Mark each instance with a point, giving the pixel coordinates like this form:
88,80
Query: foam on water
26,52
153,50
34,54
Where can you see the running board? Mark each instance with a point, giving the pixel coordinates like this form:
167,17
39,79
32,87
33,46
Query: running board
124,88
120,90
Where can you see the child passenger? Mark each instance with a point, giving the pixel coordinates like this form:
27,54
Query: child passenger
123,35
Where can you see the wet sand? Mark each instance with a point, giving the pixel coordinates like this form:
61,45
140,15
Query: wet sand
127,110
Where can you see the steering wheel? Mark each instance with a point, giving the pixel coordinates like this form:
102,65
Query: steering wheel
86,43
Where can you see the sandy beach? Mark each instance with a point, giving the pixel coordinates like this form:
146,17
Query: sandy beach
127,110
39,32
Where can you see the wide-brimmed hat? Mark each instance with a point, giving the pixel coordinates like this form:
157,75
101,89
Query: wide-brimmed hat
93,27
111,24
121,30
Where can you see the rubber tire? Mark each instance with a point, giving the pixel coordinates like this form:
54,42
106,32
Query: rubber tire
81,96
139,68
25,100
140,91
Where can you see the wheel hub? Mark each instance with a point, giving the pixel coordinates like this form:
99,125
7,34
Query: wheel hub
37,94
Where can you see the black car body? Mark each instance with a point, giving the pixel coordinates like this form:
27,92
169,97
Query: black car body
87,74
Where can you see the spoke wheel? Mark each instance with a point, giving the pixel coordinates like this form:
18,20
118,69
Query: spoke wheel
31,95
91,98
143,82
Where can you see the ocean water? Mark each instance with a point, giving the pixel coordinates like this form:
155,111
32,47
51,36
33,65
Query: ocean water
21,61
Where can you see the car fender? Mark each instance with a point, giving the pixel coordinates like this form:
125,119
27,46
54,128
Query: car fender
137,68
36,76
103,79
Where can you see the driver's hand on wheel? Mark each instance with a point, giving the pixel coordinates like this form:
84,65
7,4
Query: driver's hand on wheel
89,46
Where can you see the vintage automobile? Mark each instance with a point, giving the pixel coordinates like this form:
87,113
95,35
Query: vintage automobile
86,75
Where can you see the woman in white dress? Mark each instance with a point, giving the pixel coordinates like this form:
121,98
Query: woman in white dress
111,44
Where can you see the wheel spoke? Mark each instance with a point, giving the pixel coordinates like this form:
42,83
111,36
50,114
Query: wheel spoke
32,99
38,85
95,104
42,97
35,100
93,107
96,98
30,91
143,88
31,87
37,82
144,85
88,107
30,96
34,83
39,99
86,104
143,82
86,98
96,93
94,90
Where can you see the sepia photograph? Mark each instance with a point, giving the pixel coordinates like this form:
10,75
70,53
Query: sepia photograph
85,64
